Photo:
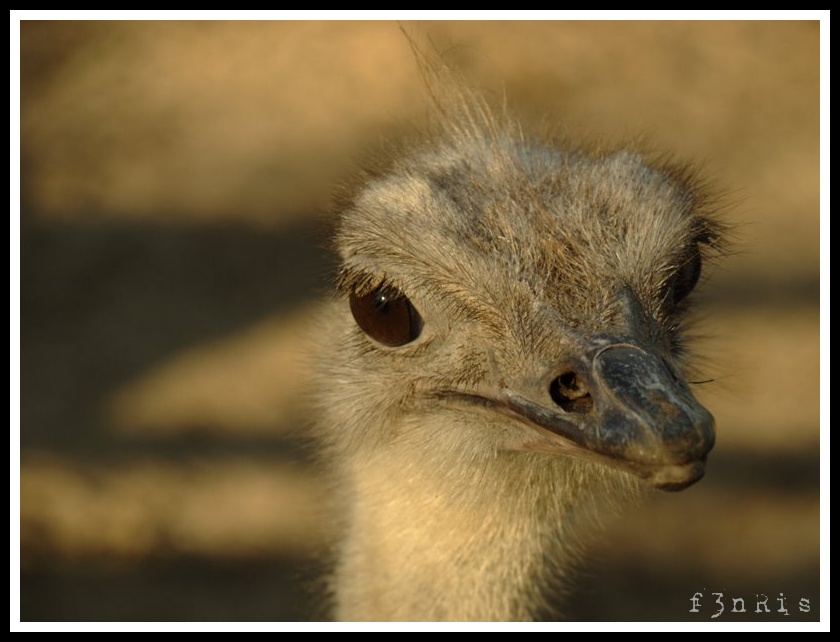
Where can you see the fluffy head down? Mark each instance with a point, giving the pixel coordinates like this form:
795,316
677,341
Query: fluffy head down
509,250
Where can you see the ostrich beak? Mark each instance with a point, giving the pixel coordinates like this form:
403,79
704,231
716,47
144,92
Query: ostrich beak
640,417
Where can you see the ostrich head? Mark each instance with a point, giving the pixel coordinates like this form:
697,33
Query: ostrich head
509,335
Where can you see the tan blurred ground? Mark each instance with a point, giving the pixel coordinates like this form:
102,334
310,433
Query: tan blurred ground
173,176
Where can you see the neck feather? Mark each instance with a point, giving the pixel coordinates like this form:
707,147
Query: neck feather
432,536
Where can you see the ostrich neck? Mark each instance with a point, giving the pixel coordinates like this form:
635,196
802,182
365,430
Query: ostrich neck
451,540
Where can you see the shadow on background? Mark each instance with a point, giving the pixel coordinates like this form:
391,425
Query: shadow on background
102,302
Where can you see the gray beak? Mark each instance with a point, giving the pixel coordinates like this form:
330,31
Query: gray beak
630,411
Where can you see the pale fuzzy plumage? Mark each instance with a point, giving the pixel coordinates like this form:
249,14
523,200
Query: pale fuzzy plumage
509,250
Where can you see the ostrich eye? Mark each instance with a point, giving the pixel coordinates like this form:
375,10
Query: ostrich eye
387,316
682,282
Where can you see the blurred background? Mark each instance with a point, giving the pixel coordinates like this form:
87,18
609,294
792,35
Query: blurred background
176,179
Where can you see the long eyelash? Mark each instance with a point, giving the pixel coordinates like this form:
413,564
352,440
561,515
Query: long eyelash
355,281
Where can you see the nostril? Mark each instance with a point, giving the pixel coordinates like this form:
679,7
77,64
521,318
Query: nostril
569,392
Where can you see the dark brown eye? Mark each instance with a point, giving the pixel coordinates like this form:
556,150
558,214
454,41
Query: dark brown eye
683,281
387,316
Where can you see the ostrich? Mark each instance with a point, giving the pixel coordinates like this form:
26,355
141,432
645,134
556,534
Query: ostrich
505,350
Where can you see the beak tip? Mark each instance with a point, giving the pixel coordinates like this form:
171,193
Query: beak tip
677,477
